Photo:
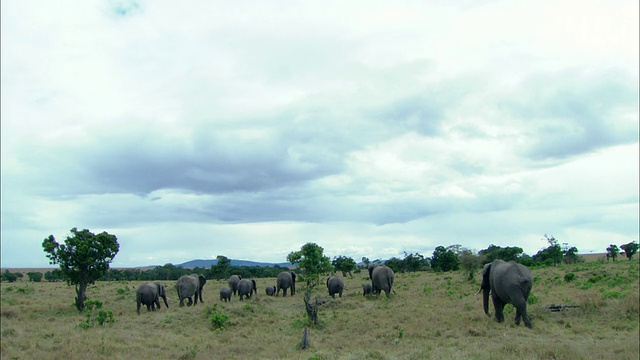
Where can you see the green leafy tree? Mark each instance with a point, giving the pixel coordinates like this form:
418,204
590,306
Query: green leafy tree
444,260
221,269
612,252
396,264
570,254
35,276
494,252
414,262
552,255
365,261
9,276
344,264
630,249
54,275
83,258
312,263
470,262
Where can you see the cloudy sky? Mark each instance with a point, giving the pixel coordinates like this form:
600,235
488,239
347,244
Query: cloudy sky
370,128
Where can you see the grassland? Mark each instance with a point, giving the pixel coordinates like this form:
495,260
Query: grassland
431,316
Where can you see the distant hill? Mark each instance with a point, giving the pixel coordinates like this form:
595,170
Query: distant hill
211,262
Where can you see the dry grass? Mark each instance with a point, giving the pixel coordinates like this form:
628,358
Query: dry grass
432,316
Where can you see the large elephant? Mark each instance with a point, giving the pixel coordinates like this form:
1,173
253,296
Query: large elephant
270,290
246,287
233,282
188,286
335,286
225,294
149,294
284,281
508,283
381,279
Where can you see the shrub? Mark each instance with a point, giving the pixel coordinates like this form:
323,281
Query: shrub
568,277
219,321
612,295
532,299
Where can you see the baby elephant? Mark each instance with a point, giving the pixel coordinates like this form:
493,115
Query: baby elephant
225,294
366,289
335,286
270,290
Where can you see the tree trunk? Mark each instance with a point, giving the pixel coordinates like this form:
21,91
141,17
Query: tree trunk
81,288
312,309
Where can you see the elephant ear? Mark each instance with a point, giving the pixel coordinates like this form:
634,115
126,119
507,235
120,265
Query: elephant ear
160,289
202,279
485,276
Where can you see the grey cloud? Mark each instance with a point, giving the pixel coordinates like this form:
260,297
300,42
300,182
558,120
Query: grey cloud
572,113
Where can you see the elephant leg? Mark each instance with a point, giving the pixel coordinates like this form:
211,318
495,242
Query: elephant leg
521,312
498,306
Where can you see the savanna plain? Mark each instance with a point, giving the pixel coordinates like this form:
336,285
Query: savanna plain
430,316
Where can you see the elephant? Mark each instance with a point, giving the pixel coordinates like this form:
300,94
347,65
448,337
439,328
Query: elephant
225,294
233,282
270,290
508,283
335,286
284,281
246,287
366,289
381,279
149,294
190,285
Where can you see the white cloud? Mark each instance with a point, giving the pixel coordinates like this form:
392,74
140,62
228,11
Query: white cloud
371,129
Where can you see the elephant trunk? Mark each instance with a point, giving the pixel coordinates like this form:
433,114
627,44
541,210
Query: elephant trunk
485,300
164,297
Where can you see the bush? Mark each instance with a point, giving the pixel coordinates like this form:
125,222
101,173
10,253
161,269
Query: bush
218,320
568,277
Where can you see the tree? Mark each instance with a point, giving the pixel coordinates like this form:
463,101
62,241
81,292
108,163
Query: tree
396,264
444,260
630,249
414,262
83,258
311,262
344,264
552,254
470,262
494,252
221,269
570,254
365,261
9,276
612,252
35,276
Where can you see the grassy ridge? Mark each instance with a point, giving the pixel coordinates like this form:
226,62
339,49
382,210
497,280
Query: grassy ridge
432,316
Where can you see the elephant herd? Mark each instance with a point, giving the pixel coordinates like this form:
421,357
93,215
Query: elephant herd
506,282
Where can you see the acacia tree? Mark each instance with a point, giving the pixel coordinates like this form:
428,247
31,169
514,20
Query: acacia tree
344,264
83,258
630,249
612,252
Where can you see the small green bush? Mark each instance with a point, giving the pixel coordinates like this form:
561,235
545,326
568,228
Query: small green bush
612,295
532,299
568,277
219,321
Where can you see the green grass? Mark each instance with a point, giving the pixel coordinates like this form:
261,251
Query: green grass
431,316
